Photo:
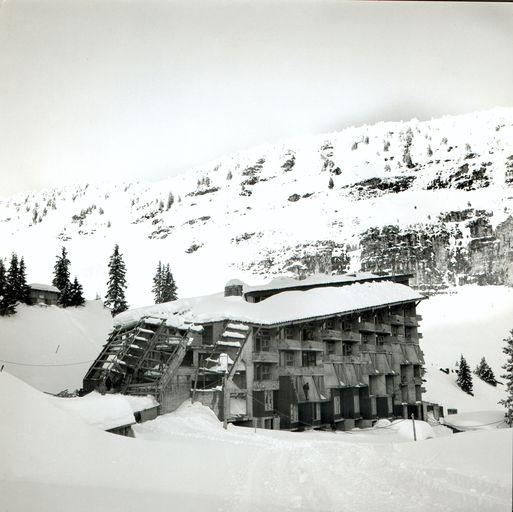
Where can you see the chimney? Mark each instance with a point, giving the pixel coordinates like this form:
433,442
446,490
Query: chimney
233,288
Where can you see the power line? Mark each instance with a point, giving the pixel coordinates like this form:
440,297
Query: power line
44,365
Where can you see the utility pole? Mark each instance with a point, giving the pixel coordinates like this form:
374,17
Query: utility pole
226,402
414,432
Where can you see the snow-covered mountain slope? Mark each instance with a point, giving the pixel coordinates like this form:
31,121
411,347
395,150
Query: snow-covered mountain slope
51,347
468,320
53,461
430,197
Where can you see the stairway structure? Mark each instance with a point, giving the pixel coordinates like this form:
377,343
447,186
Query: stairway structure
139,358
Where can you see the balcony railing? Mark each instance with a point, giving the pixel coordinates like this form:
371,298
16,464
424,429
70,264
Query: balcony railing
316,346
396,319
266,357
301,370
419,317
383,328
264,385
331,335
397,338
410,321
366,326
351,337
289,345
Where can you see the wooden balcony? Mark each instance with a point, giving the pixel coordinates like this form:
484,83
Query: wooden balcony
289,345
419,318
351,337
333,358
383,328
266,357
301,370
265,385
397,338
316,346
366,326
396,319
331,335
410,321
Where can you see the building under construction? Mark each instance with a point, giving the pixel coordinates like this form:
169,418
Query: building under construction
325,351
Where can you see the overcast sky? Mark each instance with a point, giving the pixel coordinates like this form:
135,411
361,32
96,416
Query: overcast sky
123,90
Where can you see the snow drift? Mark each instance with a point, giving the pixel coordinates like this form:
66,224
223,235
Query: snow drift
53,461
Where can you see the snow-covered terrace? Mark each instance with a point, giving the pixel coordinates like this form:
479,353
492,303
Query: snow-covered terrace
282,308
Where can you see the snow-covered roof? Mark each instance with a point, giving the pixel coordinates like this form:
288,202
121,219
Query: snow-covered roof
284,307
44,287
234,282
284,282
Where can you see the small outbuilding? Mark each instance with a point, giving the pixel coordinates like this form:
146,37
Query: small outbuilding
44,294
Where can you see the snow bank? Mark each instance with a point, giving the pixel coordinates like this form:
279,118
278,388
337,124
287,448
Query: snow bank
53,461
55,346
101,411
478,420
405,429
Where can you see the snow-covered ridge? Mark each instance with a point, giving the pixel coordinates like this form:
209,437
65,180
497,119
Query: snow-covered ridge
271,209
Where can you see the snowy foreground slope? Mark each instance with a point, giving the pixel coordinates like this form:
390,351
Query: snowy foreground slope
52,462
433,197
53,347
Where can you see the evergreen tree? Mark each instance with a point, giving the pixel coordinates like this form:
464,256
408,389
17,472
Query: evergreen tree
508,376
170,200
13,278
157,284
7,301
61,278
22,289
76,297
485,373
330,183
168,286
464,380
116,284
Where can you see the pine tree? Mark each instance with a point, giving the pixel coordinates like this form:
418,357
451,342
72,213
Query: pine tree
13,278
23,290
157,284
7,301
464,380
508,376
170,200
116,285
485,373
76,297
168,286
330,183
61,278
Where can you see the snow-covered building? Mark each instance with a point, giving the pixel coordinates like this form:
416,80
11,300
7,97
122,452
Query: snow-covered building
43,294
323,351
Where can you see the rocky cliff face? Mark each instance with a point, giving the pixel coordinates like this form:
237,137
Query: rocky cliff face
433,198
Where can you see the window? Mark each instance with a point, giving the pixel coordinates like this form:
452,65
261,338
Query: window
208,334
262,371
293,413
330,324
288,358
336,405
316,412
329,347
308,334
347,349
268,400
346,325
290,333
380,339
263,341
268,423
309,358
395,330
